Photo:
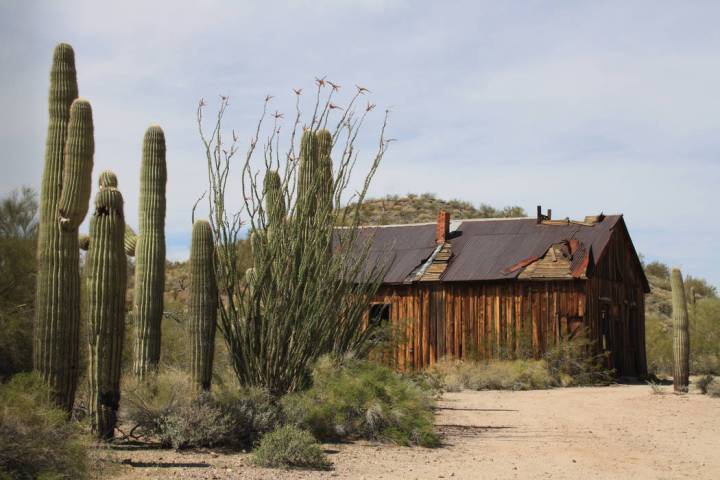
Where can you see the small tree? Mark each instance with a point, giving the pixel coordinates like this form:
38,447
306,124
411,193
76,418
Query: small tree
308,292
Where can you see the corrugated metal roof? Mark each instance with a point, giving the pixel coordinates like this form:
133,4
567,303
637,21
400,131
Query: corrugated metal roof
403,247
482,249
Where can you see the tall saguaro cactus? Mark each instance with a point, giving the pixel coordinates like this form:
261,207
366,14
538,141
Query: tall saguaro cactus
203,303
64,200
150,253
681,338
106,269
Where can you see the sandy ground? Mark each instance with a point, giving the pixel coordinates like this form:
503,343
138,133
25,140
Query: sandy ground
617,432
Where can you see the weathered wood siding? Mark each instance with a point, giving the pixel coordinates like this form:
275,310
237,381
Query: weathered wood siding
616,312
480,320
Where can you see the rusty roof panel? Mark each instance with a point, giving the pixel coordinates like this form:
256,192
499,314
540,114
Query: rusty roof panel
479,255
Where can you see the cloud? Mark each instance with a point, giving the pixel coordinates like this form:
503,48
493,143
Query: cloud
581,107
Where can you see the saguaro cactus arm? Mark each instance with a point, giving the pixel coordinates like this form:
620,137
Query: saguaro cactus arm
107,179
77,168
130,241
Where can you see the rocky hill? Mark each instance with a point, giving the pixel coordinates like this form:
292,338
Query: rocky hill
411,208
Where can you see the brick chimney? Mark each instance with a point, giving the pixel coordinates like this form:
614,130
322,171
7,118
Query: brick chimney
442,230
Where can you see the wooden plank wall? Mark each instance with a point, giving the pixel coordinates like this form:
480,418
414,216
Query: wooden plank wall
617,312
480,320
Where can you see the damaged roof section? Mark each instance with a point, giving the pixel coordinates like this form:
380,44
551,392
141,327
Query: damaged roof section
491,249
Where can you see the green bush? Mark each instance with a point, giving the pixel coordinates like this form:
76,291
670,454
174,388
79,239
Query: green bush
18,266
362,399
36,439
704,318
657,269
290,447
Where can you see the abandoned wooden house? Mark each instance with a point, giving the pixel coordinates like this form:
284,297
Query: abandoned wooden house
511,287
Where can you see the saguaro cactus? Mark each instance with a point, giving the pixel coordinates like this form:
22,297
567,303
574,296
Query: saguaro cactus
106,269
315,176
274,198
150,253
307,177
64,197
203,303
681,339
326,187
107,179
130,241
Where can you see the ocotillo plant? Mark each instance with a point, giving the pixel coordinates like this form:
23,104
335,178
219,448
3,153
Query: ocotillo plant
106,269
64,198
297,302
203,303
150,253
681,338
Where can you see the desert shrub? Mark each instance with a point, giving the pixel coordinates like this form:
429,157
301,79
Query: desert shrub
18,239
290,447
36,439
574,362
252,412
704,318
705,337
703,383
657,269
147,403
456,375
198,423
658,344
167,408
713,389
702,288
709,385
362,399
568,363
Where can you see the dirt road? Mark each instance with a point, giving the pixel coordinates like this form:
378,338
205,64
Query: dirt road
618,432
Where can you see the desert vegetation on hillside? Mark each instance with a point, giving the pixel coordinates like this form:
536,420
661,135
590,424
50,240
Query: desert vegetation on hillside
412,208
703,323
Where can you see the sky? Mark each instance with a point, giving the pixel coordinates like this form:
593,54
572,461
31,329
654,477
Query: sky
581,107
